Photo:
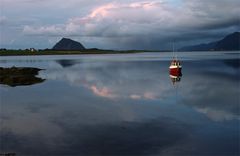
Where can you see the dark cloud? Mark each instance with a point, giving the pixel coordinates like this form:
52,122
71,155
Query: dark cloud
127,24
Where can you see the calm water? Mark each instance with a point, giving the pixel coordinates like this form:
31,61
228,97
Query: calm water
123,105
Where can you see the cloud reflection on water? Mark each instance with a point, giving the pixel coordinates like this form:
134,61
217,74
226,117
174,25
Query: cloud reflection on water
119,80
125,108
213,90
201,89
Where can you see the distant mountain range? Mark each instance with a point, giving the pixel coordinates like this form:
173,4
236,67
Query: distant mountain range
68,44
230,42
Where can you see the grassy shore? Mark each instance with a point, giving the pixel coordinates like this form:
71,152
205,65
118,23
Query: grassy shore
54,52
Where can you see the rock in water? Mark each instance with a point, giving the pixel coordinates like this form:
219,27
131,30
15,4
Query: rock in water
19,76
68,44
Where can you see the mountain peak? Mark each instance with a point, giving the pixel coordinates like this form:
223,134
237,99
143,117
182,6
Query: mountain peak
66,39
68,44
230,42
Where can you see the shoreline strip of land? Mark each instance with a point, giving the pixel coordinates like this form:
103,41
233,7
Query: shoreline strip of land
66,52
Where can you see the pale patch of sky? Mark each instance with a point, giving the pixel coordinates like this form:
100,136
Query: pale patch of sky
176,2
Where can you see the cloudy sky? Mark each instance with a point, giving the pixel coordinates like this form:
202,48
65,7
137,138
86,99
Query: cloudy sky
108,24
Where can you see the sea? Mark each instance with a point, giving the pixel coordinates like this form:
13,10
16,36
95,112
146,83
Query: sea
123,104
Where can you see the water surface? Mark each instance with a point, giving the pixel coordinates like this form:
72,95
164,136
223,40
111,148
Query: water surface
123,105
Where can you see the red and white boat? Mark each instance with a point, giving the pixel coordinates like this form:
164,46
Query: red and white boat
175,68
175,71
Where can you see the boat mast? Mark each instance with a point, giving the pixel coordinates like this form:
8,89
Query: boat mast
173,51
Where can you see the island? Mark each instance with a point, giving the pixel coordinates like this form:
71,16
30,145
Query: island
19,76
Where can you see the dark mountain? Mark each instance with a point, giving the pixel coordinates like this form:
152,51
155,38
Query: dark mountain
68,44
230,42
199,47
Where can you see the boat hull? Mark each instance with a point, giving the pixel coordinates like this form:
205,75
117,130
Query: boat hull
175,71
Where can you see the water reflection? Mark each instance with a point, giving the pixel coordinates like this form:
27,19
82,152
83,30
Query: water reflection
175,79
66,63
200,89
213,89
19,76
117,80
234,63
124,108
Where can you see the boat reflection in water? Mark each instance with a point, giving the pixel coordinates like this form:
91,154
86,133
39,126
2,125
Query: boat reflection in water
19,76
175,78
175,71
